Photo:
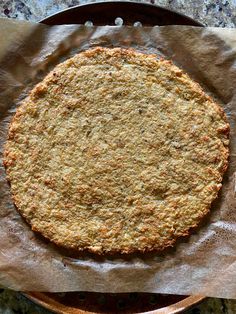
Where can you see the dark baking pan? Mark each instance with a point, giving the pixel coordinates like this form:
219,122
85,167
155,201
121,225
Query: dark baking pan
105,13
111,13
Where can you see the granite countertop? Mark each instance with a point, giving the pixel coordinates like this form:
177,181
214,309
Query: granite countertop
211,13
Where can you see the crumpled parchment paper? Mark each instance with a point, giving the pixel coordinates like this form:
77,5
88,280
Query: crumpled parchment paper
205,262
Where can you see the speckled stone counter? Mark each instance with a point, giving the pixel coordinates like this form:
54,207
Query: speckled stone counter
211,13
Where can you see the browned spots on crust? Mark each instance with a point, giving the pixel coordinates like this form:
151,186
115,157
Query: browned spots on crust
39,91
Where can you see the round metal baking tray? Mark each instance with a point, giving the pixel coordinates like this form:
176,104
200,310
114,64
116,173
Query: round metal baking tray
107,12
114,13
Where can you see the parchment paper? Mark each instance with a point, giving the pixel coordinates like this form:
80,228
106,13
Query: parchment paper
204,263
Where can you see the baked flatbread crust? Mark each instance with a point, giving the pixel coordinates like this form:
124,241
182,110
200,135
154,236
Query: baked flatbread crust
116,152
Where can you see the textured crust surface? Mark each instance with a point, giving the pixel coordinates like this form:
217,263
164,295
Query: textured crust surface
115,151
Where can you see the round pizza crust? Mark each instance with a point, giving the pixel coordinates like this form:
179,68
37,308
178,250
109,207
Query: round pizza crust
116,151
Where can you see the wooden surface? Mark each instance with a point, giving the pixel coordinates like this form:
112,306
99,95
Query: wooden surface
148,303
